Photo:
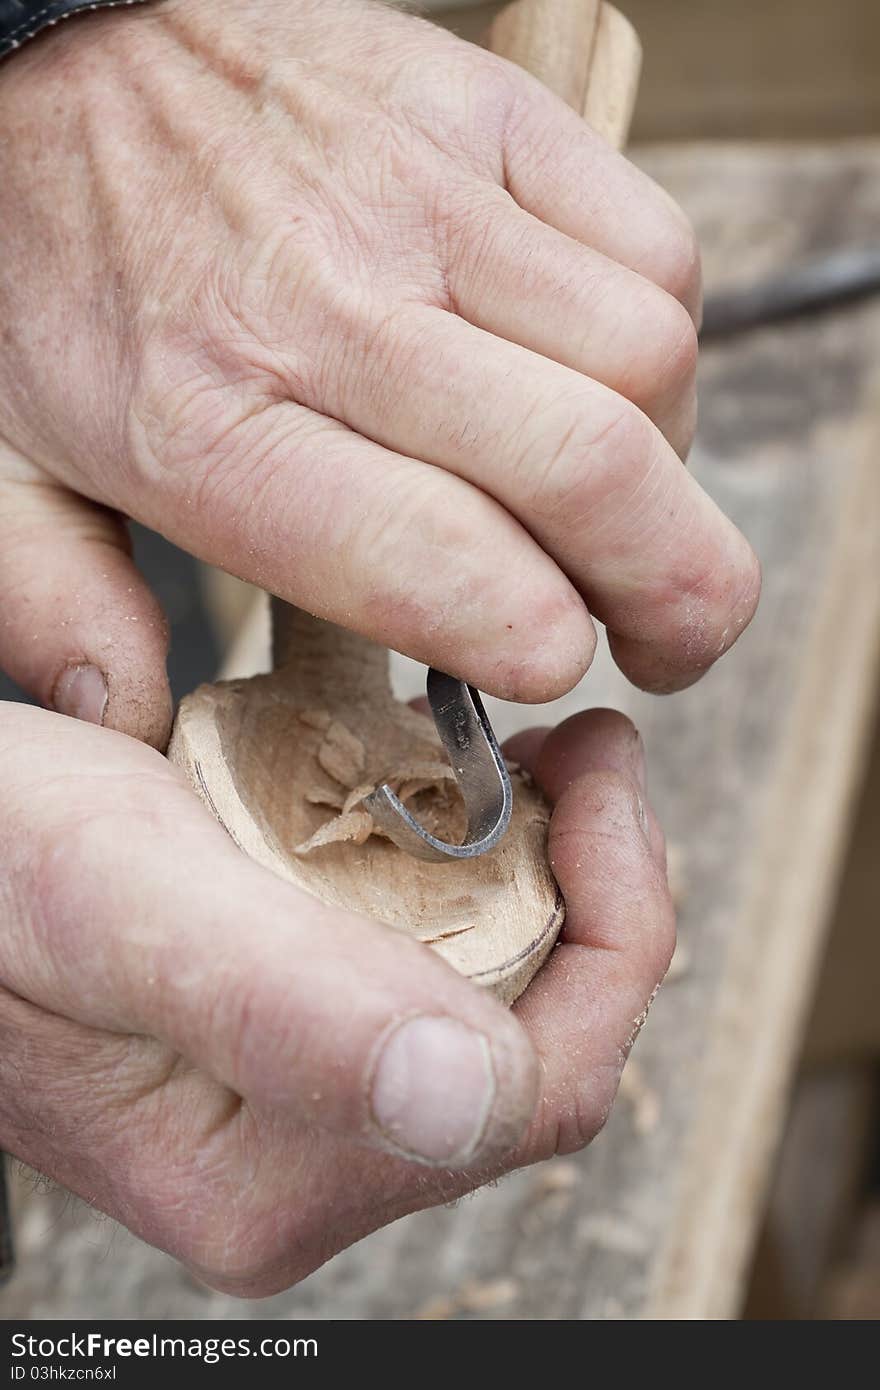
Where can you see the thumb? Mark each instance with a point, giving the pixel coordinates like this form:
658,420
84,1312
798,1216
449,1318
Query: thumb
149,920
81,630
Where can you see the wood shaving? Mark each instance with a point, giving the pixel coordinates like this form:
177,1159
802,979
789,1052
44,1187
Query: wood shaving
326,796
357,794
315,718
430,773
436,782
342,755
354,828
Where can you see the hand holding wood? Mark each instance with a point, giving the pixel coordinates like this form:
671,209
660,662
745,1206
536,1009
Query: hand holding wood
286,761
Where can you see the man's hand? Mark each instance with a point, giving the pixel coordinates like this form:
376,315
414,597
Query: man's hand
362,314
232,1069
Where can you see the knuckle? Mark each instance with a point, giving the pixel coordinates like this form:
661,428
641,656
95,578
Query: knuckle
725,589
200,1220
598,457
466,100
676,258
701,605
224,1254
178,417
205,366
672,361
234,1244
662,355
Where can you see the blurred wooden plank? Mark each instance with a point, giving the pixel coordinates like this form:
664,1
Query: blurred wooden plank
817,1188
845,1021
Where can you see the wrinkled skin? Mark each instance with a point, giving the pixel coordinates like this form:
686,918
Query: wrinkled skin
364,315
178,1047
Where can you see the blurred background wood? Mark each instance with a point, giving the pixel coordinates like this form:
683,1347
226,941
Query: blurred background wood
757,69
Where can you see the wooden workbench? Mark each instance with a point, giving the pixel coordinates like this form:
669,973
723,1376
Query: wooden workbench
754,772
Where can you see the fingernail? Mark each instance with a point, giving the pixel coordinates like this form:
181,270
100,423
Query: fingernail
81,692
434,1090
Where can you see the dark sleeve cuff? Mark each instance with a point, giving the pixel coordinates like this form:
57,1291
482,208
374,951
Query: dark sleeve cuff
20,20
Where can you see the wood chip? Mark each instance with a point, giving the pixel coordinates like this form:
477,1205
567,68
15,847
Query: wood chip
326,796
354,828
408,790
431,774
315,718
341,755
357,794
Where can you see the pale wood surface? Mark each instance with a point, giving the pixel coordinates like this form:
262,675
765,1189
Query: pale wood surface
284,760
753,771
583,50
845,1022
552,40
815,1202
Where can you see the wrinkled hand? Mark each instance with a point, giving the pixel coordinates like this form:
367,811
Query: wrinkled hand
362,314
231,1068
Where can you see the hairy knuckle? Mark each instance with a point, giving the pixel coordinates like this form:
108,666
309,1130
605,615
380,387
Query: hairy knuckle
464,103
